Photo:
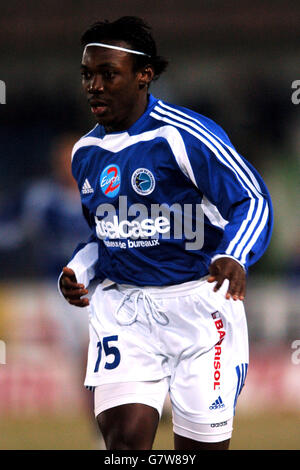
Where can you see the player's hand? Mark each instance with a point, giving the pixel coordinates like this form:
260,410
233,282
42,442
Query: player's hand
228,268
71,290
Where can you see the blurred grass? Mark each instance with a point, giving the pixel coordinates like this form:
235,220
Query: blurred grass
276,431
270,431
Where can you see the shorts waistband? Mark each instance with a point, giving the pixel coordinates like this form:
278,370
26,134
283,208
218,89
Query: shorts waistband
160,291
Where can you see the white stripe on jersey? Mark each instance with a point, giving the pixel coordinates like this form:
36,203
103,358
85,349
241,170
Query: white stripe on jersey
230,163
250,185
256,234
242,228
117,142
251,229
231,149
212,213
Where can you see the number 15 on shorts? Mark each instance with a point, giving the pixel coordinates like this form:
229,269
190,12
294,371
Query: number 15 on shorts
109,349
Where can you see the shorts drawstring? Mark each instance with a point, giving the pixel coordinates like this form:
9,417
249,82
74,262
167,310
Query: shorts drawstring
151,308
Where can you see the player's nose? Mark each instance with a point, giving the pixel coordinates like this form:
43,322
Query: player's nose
96,84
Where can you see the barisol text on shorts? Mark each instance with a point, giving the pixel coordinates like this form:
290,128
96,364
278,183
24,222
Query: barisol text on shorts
2,92
138,221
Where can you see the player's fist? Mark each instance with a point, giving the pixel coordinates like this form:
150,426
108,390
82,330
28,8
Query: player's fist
228,268
71,290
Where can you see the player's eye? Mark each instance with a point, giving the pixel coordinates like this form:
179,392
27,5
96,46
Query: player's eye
109,75
86,75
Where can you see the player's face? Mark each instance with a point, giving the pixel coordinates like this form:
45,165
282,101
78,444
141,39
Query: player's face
112,87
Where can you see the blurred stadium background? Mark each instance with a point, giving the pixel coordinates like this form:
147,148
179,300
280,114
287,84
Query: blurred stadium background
232,61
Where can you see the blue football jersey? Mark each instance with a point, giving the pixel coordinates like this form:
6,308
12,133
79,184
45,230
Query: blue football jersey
164,198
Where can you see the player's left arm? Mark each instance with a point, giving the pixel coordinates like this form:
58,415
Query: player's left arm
236,191
228,268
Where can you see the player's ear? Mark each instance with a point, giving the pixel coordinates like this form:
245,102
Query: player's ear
145,76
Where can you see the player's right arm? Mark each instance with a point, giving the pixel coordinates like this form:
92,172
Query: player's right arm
72,291
79,272
76,276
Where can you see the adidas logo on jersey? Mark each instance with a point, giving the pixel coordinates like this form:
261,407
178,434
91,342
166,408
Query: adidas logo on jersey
87,188
217,404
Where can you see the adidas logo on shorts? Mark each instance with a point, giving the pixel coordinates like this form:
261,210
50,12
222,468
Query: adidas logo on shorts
217,404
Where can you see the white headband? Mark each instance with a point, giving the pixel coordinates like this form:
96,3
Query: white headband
109,46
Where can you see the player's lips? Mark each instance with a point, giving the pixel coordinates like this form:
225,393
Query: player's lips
98,107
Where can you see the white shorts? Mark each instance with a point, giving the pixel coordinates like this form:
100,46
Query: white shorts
185,340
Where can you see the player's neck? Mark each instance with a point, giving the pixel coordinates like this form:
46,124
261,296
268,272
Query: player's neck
137,111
